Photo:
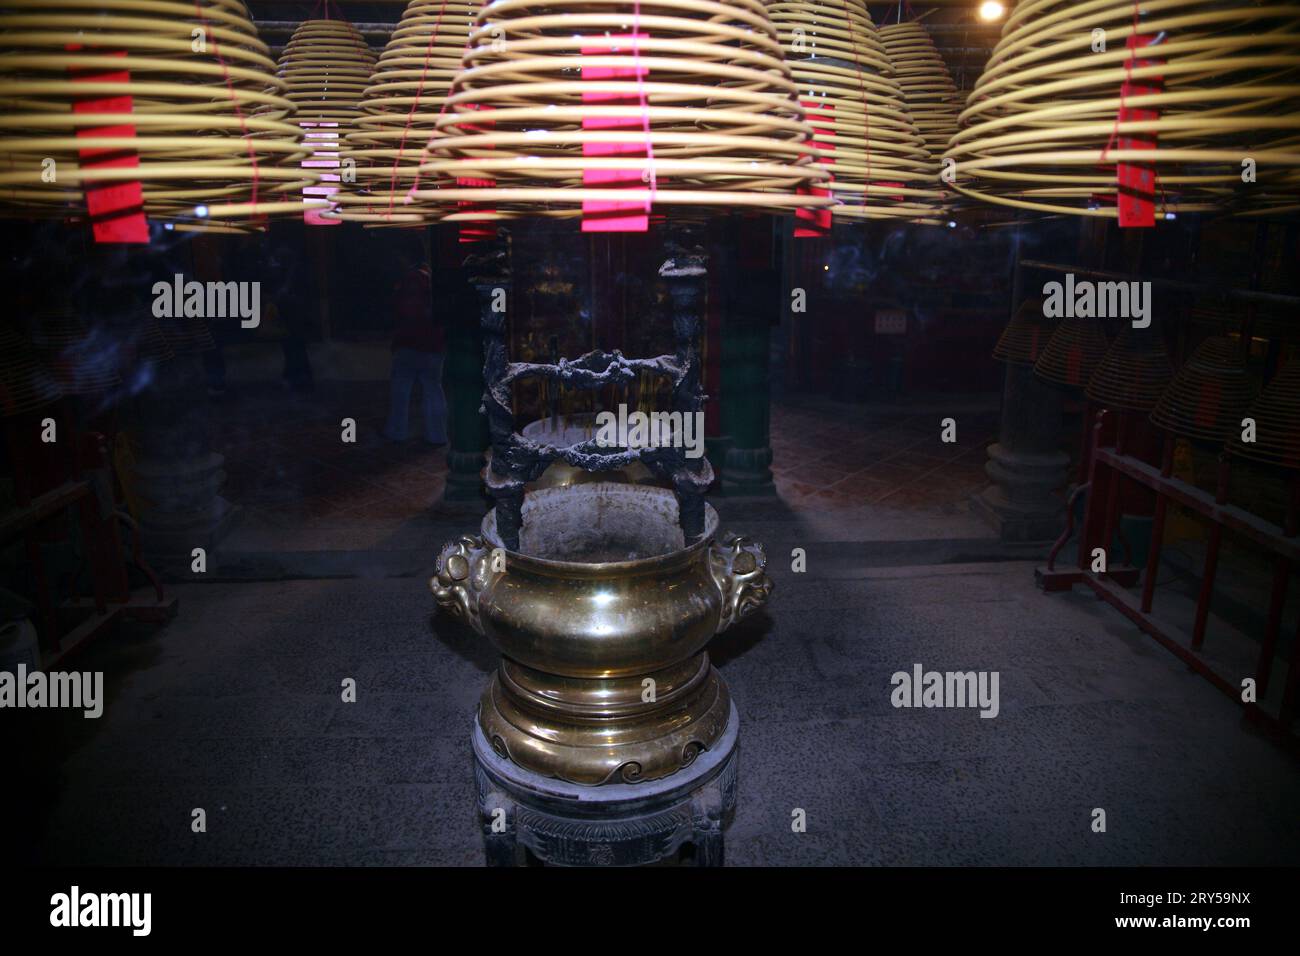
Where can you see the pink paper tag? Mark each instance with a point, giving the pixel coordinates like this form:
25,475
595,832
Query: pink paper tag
609,215
323,138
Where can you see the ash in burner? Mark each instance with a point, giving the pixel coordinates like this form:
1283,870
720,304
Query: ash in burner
601,522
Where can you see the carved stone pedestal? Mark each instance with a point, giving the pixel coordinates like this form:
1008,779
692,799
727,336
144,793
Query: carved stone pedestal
565,824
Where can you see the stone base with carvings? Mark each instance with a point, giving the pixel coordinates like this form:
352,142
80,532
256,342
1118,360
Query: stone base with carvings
529,818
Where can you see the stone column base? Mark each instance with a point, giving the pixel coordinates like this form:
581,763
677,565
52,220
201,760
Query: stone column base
747,472
185,510
1021,504
464,483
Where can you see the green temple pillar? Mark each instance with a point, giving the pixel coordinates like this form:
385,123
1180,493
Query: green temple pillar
462,382
750,309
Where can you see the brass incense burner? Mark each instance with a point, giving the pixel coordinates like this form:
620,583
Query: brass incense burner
600,596
602,616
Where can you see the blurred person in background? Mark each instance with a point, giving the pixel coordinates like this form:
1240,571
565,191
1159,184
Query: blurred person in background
289,314
418,350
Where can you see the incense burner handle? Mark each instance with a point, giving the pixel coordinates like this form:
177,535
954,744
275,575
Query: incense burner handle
466,568
737,565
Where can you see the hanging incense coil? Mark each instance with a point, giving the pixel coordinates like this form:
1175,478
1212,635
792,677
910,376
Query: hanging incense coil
1043,130
78,358
619,104
929,93
183,90
24,383
879,162
1073,353
1025,336
1134,373
325,66
406,94
1210,394
1277,421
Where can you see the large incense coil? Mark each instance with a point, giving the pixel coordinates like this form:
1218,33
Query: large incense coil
325,66
879,161
207,120
706,112
1134,373
929,93
1277,421
1073,353
81,362
25,384
406,94
1026,335
1042,131
1209,395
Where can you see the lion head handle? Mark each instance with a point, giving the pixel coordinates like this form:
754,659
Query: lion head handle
737,565
466,568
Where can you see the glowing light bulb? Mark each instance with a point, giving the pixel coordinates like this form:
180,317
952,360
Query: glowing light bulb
991,11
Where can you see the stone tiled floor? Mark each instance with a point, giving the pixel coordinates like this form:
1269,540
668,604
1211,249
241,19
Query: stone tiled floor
235,708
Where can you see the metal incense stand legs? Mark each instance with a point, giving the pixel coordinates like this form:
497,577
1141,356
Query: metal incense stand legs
605,736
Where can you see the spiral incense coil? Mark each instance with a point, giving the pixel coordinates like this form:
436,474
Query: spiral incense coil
1026,335
1212,85
1277,421
183,89
80,363
1073,353
405,96
929,93
24,383
879,161
668,102
1210,394
326,66
1134,373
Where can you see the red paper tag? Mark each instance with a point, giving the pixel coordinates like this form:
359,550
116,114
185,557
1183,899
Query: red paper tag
897,197
810,223
606,215
116,209
1137,181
